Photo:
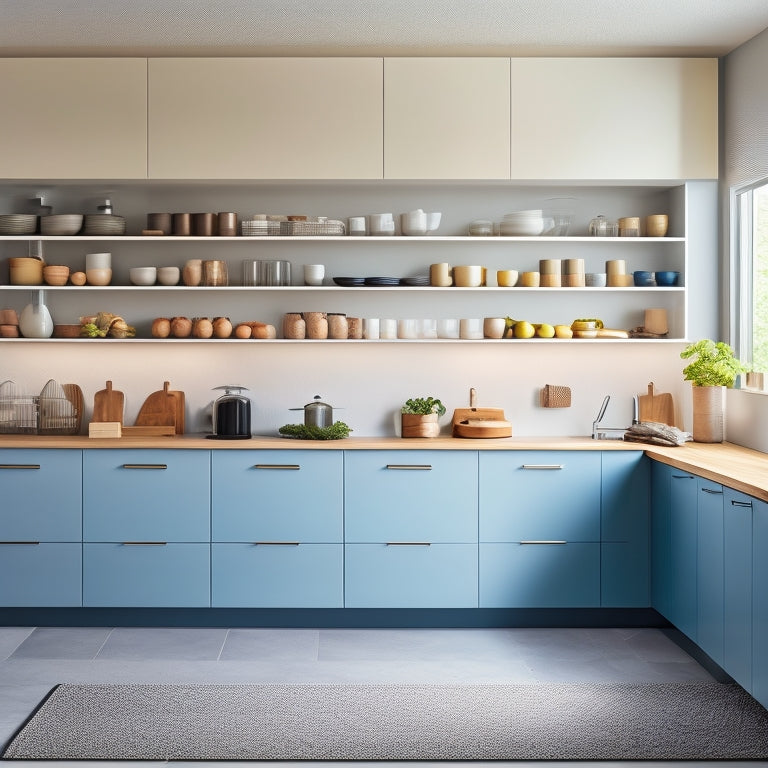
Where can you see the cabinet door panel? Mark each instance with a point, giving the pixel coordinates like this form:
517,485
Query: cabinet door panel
277,576
146,575
446,118
683,549
277,495
737,587
540,495
583,118
760,602
539,575
42,495
73,118
710,569
265,118
144,494
662,577
47,575
411,496
407,576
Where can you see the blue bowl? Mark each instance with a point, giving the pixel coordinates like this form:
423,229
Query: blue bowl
667,278
643,279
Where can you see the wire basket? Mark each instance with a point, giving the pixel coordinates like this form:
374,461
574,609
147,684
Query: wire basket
262,228
19,415
40,415
312,228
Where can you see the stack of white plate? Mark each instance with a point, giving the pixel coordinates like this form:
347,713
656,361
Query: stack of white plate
17,224
61,224
103,224
522,223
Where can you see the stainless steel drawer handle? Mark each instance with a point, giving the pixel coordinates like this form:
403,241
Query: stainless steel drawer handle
32,543
276,543
144,543
277,466
712,491
19,466
683,477
736,503
542,466
410,466
145,466
409,544
544,541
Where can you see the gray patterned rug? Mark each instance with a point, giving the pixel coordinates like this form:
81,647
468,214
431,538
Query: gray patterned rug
694,721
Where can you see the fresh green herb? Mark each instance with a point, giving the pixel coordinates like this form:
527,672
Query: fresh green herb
715,365
422,406
92,330
337,431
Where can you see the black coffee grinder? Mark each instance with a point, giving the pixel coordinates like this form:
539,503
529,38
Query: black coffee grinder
232,415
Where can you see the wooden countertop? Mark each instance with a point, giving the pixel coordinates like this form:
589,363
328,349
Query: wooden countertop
739,468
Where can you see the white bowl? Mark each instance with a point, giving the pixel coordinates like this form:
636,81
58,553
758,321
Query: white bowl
528,228
143,275
168,275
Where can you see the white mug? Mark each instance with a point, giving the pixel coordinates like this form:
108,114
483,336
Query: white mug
471,328
381,224
357,225
314,274
448,328
371,328
413,223
388,328
98,261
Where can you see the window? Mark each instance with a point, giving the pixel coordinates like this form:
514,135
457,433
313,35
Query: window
751,269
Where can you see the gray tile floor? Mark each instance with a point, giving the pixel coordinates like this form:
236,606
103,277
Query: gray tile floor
32,660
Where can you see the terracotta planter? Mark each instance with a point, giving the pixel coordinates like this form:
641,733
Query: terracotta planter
708,414
416,425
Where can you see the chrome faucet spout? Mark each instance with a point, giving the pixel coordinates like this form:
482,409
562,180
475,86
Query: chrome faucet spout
605,433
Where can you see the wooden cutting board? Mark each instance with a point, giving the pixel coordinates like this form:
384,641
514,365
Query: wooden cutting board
655,406
473,415
180,409
74,394
108,405
159,409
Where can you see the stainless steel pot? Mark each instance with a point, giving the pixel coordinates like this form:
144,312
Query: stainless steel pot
317,413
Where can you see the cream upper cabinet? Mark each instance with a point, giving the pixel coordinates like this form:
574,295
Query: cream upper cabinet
614,118
265,118
73,118
446,118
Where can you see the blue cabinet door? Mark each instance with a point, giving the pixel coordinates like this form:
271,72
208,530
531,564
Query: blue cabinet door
410,496
709,585
146,575
277,495
737,587
625,530
760,602
540,495
683,548
44,575
144,494
410,576
514,575
277,575
41,492
662,574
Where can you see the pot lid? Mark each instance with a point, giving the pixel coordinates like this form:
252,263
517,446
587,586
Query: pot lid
314,405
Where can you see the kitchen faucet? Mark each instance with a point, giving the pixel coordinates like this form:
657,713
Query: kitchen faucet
611,433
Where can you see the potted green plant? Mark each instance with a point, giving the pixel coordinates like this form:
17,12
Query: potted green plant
419,417
713,368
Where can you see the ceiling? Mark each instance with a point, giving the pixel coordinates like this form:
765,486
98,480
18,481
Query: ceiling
380,28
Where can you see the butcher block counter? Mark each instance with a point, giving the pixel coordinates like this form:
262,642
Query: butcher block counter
740,468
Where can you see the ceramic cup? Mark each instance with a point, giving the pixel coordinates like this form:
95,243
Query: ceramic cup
381,224
388,328
168,275
494,327
507,278
314,274
413,223
656,320
98,276
371,328
471,328
407,329
356,225
440,275
433,220
468,276
98,261
448,328
530,279
656,225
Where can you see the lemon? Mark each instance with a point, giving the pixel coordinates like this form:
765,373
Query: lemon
545,331
563,332
524,330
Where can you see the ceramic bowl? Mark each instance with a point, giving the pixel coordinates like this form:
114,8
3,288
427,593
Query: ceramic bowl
98,276
61,224
143,275
168,275
667,278
643,279
56,275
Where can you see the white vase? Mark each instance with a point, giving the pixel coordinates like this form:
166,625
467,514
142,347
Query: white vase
35,321
708,414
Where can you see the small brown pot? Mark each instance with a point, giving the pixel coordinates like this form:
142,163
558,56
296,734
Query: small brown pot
708,414
417,425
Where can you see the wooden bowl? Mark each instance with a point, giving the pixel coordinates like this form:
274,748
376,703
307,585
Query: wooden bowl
69,331
56,275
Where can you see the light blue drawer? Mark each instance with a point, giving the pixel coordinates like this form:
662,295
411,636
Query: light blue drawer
146,575
277,495
277,575
45,575
411,495
410,576
146,495
540,495
41,492
539,575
